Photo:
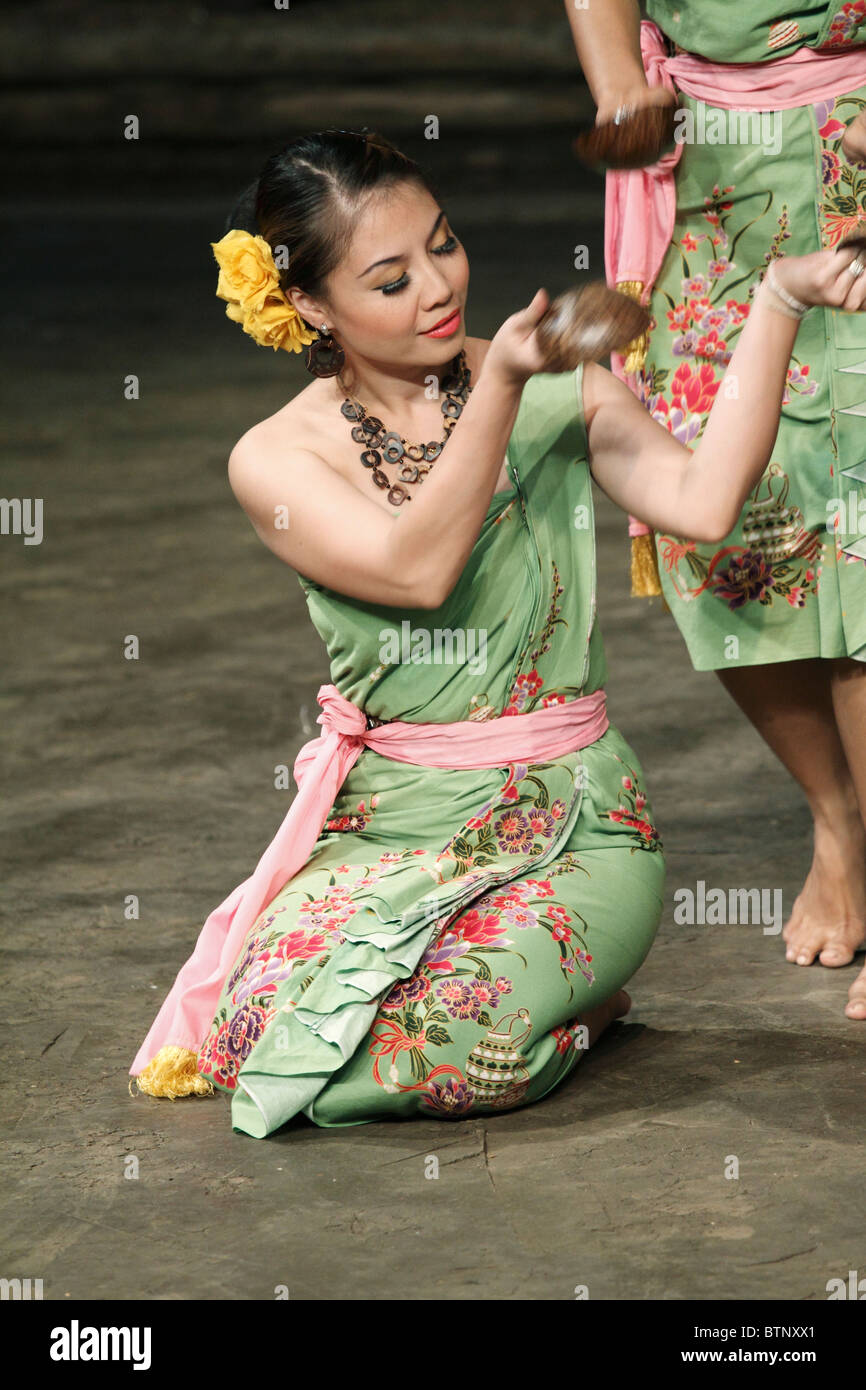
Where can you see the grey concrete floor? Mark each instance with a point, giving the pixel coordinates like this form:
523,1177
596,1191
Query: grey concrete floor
155,777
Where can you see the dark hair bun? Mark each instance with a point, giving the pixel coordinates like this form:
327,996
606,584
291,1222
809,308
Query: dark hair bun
243,214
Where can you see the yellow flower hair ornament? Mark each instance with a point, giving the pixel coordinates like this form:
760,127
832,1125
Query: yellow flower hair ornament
249,280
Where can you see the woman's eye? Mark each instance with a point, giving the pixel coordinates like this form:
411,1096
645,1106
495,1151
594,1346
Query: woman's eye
395,285
449,244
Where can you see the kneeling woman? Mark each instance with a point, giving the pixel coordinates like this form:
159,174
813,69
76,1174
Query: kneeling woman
470,872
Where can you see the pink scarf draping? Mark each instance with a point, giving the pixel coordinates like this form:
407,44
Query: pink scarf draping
320,770
640,204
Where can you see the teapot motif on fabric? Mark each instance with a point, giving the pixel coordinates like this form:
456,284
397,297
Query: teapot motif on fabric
497,1072
777,531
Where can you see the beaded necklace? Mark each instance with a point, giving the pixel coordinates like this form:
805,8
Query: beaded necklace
384,445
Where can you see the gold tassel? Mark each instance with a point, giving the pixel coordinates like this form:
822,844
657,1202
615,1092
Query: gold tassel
645,579
634,353
172,1072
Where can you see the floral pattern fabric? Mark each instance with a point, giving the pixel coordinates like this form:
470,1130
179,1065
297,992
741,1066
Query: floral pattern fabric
790,580
452,928
760,30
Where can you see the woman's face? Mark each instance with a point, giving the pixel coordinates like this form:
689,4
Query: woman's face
404,272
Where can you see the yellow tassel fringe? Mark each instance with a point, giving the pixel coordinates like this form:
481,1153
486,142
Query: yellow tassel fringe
645,581
173,1072
634,353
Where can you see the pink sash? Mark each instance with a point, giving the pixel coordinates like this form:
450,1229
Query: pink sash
640,204
320,770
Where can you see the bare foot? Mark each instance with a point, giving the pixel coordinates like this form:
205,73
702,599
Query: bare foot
856,1006
598,1019
828,919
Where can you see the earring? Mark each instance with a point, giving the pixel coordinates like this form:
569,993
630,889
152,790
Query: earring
325,357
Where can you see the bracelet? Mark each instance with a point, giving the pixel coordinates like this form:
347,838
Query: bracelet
796,309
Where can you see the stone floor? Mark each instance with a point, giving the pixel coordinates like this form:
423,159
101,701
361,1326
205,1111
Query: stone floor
155,777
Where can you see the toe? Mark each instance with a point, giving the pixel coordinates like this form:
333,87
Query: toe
856,1006
804,954
836,954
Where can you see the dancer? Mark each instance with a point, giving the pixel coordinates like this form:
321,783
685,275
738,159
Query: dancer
470,872
770,153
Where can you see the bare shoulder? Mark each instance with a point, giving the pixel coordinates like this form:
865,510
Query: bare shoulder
288,434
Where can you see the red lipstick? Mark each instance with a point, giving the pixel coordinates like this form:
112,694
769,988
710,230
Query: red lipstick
445,327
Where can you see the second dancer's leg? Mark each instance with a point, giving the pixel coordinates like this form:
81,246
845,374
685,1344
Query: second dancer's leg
791,704
849,701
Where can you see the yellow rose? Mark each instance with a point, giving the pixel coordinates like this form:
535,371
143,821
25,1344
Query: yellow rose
247,271
277,324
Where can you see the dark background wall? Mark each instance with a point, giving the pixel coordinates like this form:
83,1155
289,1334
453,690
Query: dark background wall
218,84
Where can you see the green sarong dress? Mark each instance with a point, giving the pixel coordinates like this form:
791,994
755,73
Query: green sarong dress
790,580
437,951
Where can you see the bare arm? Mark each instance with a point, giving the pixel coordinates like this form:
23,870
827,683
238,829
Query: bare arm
607,39
317,522
698,494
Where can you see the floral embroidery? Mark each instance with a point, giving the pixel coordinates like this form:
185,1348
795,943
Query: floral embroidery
846,24
630,813
468,999
528,685
567,1035
356,820
454,982
451,1097
843,204
529,817
777,556
523,691
269,958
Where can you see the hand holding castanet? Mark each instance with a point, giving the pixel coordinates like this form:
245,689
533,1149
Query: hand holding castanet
586,323
635,136
580,325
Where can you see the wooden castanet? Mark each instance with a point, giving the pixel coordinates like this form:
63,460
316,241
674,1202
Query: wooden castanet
586,323
857,239
639,138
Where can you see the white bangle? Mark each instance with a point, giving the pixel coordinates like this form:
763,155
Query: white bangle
796,310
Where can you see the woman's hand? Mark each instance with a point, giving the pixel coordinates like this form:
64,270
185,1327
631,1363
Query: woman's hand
854,140
514,353
822,277
634,98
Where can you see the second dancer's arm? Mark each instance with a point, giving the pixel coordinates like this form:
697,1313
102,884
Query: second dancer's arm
699,493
